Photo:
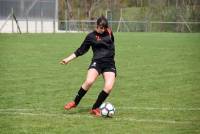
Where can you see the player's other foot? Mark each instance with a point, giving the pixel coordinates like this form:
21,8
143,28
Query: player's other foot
70,105
95,112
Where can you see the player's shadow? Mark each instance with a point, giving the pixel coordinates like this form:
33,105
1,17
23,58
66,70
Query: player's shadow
78,110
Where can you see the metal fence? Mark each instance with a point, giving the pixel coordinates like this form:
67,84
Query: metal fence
33,9
55,26
28,16
132,26
41,16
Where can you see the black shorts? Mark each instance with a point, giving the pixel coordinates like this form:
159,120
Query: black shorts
103,66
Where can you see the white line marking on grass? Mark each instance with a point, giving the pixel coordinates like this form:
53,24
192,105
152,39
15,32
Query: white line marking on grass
17,109
125,108
90,116
46,114
162,109
153,121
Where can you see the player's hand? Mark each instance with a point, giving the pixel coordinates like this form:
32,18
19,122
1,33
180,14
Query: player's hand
68,59
64,61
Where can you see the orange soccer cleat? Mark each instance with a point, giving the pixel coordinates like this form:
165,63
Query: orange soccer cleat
95,112
70,105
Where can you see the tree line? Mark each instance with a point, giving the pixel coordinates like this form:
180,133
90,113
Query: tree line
136,10
89,9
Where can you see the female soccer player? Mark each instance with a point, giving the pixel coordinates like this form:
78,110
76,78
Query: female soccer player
102,42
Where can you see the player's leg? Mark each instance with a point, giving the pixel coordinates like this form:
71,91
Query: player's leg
109,80
90,79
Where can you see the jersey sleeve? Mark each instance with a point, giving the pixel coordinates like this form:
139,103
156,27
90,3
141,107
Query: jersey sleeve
85,46
109,30
112,37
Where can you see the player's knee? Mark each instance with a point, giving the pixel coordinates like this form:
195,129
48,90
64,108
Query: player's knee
89,82
108,88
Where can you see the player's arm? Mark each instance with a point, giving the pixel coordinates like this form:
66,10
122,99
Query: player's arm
68,59
112,37
80,51
111,34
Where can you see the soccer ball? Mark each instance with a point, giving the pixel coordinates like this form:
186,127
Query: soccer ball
107,109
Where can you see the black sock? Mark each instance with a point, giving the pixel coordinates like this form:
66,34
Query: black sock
80,94
101,98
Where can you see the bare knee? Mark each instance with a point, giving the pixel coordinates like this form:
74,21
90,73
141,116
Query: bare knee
108,88
88,83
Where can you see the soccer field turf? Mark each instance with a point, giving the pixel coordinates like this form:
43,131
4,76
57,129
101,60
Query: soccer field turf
157,88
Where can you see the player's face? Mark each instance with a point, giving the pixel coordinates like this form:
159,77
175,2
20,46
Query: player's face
101,29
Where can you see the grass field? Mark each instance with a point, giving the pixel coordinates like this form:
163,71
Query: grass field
157,89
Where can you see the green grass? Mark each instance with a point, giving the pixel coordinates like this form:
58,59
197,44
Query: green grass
157,88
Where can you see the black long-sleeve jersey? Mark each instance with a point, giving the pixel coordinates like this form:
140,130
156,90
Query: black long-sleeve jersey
102,45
